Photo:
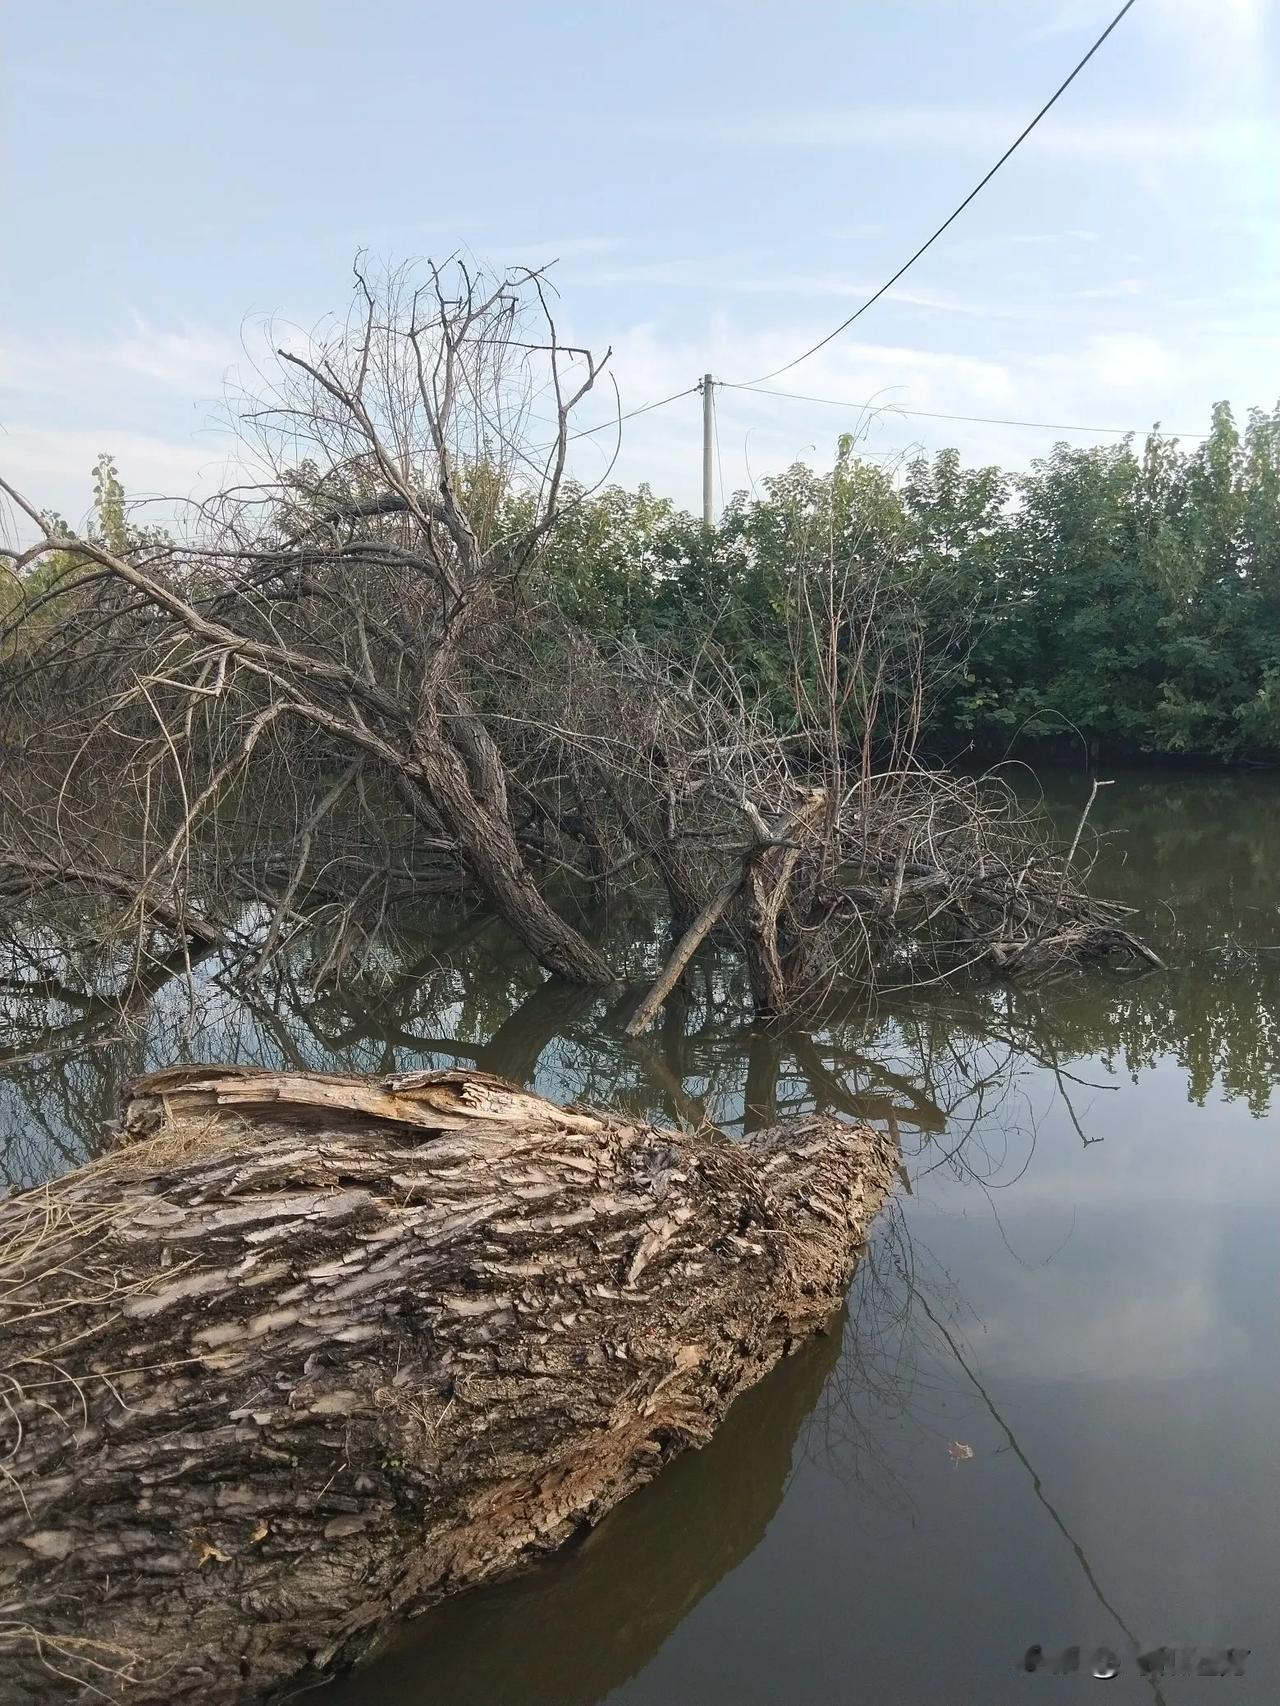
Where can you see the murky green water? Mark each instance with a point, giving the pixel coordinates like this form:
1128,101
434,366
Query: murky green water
1081,1290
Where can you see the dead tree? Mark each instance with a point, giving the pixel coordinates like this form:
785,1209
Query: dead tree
628,1578
825,864
305,1351
321,621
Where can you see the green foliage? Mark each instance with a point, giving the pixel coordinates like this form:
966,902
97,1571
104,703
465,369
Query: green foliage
111,523
631,565
611,559
33,602
1131,594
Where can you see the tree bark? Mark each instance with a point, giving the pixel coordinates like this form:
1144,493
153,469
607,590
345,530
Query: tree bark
681,954
777,966
569,1633
481,825
302,1352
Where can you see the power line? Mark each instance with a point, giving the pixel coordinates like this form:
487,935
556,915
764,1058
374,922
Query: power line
605,426
937,415
631,414
953,216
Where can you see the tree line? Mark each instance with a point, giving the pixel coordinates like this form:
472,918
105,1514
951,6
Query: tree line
1124,598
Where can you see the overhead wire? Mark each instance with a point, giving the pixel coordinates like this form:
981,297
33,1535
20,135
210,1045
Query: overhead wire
617,420
758,385
938,415
956,212
631,414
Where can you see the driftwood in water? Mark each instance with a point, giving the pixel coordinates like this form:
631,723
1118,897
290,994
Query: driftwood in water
305,1351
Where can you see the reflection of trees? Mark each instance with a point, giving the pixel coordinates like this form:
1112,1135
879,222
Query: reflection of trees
73,1035
930,1084
1199,857
947,1075
943,1073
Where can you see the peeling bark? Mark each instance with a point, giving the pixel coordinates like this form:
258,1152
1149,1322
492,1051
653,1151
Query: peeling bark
536,1639
303,1352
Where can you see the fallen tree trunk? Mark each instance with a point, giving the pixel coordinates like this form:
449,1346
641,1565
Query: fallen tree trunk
473,805
304,1351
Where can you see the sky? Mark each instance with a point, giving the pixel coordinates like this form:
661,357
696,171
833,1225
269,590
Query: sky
719,182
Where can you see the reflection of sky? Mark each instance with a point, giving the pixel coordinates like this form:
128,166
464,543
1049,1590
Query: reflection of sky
1142,1221
1123,1315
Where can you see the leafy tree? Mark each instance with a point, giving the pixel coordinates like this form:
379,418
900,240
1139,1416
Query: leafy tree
1130,593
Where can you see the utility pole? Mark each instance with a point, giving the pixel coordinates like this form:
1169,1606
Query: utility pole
708,434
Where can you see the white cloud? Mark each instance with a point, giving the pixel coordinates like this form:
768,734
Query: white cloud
1108,292
761,434
1167,1324
52,466
189,358
193,360
726,276
1131,362
1115,362
66,402
1221,43
646,363
1070,236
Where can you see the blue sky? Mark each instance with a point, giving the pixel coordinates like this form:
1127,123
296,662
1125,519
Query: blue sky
720,180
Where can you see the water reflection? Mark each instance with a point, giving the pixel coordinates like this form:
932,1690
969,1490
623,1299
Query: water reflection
1083,1285
1196,856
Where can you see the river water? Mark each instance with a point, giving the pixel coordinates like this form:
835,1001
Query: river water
1050,1413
